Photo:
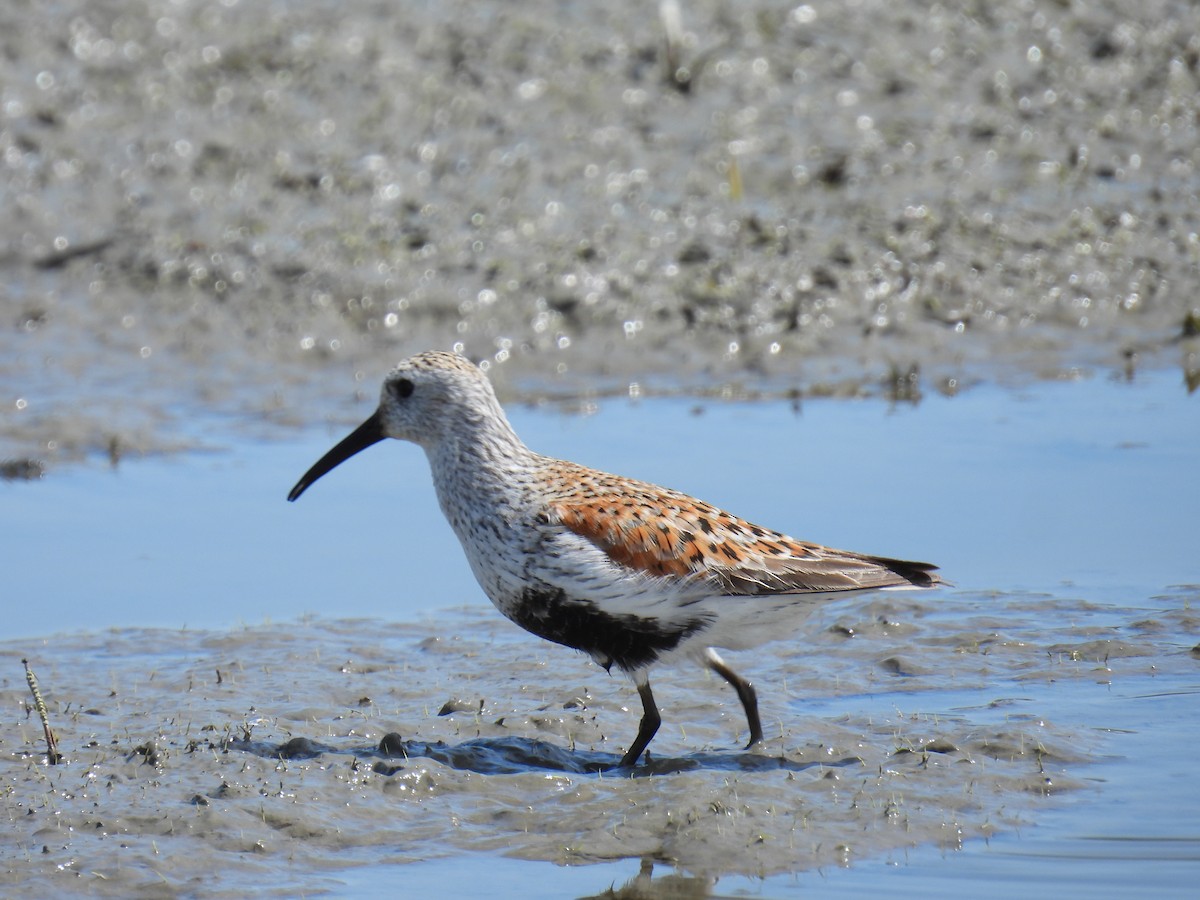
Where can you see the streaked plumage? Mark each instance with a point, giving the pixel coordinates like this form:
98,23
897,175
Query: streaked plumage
631,573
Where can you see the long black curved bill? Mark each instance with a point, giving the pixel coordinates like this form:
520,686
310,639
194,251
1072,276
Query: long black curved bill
368,433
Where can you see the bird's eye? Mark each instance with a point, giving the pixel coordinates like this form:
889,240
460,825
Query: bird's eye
401,388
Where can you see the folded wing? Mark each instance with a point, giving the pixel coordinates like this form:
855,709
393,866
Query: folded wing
664,533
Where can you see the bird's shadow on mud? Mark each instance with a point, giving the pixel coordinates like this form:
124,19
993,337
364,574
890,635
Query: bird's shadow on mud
514,755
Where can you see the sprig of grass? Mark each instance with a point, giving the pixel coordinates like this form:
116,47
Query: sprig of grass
52,754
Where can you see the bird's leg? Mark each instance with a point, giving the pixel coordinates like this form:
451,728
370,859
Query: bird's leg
745,692
650,722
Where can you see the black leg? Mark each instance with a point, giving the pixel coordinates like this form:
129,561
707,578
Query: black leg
745,692
646,731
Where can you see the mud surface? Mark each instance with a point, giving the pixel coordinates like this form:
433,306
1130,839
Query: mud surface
203,762
238,215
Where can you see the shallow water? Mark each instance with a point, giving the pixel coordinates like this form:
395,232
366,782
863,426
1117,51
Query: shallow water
1082,486
1032,723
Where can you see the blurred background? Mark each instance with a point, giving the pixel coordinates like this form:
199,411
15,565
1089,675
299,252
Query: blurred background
227,219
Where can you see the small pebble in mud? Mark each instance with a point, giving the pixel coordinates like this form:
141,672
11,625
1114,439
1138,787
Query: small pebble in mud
456,705
894,665
1191,324
391,744
940,745
21,469
151,753
298,748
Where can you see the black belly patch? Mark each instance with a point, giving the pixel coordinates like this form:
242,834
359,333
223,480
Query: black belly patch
627,641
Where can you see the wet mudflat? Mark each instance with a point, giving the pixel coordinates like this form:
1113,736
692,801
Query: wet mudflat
200,762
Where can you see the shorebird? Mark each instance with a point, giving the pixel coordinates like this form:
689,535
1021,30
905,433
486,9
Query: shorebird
630,573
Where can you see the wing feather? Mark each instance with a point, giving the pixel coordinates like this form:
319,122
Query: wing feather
665,533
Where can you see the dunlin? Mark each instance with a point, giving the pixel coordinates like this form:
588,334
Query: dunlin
630,573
